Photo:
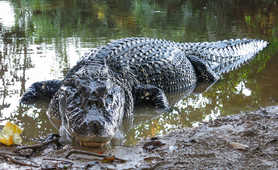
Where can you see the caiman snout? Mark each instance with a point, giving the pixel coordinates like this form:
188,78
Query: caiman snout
90,128
92,133
95,127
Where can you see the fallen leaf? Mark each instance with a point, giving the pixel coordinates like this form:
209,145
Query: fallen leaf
108,159
10,134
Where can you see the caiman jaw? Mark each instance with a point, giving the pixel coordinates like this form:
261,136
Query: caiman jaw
91,141
93,144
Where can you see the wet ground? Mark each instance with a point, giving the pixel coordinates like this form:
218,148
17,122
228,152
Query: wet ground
241,141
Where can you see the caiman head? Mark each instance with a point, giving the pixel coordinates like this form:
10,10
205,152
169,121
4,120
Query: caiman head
91,108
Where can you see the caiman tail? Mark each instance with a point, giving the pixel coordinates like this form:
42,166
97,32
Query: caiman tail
227,55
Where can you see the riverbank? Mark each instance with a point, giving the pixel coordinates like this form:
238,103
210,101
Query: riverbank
246,140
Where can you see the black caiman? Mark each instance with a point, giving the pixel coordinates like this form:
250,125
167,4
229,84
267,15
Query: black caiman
89,105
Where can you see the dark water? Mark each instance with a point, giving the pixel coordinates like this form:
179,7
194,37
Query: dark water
42,39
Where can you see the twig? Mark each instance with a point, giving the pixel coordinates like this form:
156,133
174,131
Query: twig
37,147
59,159
6,153
75,151
10,158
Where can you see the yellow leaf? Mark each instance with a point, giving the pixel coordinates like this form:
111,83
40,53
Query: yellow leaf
10,134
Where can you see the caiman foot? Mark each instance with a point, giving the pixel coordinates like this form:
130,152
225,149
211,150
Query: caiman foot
151,95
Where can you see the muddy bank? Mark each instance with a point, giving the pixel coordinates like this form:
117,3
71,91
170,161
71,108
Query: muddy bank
247,140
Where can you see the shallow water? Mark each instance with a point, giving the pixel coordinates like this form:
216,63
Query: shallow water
41,40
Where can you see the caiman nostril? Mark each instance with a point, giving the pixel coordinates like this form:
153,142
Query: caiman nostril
100,91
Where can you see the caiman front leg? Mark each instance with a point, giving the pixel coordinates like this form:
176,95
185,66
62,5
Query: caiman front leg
151,95
40,90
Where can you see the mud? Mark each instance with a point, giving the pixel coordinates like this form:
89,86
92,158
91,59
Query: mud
242,141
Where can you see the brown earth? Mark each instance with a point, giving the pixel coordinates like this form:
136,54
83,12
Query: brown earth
242,141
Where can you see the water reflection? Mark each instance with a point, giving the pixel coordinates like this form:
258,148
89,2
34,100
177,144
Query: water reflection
41,39
7,15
